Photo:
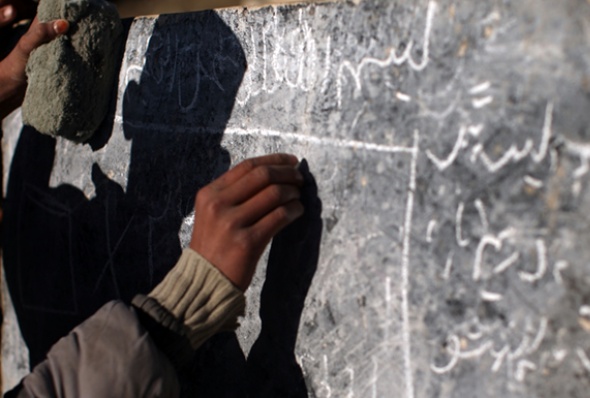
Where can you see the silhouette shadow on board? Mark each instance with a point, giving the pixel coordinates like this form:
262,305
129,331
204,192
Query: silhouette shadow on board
65,255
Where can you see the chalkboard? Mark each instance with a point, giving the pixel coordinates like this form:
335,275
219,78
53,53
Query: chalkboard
446,245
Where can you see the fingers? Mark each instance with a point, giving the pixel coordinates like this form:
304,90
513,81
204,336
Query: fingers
262,186
39,33
230,177
265,202
237,215
259,179
13,79
7,15
277,219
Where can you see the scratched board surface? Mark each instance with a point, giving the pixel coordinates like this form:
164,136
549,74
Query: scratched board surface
450,146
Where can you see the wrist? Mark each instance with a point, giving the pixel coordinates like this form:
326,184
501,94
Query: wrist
199,296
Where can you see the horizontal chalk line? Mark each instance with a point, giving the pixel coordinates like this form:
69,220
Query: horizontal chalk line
320,141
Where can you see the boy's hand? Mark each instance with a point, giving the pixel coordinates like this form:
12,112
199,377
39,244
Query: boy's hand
13,80
237,215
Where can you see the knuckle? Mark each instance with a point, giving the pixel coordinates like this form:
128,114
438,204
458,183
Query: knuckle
287,159
230,225
209,201
202,197
281,214
263,174
248,165
284,158
245,240
275,194
215,206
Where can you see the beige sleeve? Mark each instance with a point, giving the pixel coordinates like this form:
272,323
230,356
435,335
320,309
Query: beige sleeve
199,296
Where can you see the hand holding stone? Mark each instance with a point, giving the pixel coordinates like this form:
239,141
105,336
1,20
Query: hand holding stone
13,80
237,215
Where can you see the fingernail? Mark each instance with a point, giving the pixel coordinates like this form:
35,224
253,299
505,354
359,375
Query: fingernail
8,12
61,26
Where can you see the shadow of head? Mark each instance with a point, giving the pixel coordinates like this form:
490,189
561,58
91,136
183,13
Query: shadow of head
176,113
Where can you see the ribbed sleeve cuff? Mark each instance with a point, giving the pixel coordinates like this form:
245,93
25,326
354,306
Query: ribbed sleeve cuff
200,296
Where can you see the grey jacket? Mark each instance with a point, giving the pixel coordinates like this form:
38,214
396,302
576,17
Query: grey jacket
134,351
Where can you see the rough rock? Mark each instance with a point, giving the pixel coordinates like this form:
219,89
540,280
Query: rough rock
70,79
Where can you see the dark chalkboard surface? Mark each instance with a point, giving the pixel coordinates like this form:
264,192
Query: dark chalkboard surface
446,252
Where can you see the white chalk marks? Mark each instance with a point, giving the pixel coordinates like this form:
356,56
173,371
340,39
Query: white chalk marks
299,59
320,141
406,271
517,357
513,154
348,68
582,151
442,164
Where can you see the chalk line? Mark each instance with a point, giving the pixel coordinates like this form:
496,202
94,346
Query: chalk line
430,230
583,358
541,264
480,88
458,229
533,182
486,240
387,308
499,356
482,102
321,141
405,271
507,263
490,296
545,135
557,268
539,336
482,214
452,341
403,97
521,368
448,266
442,164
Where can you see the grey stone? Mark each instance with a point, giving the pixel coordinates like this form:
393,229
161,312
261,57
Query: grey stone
70,79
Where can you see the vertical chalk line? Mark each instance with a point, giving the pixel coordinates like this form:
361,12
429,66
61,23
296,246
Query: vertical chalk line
387,308
405,272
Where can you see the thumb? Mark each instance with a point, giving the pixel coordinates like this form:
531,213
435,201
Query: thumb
39,33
